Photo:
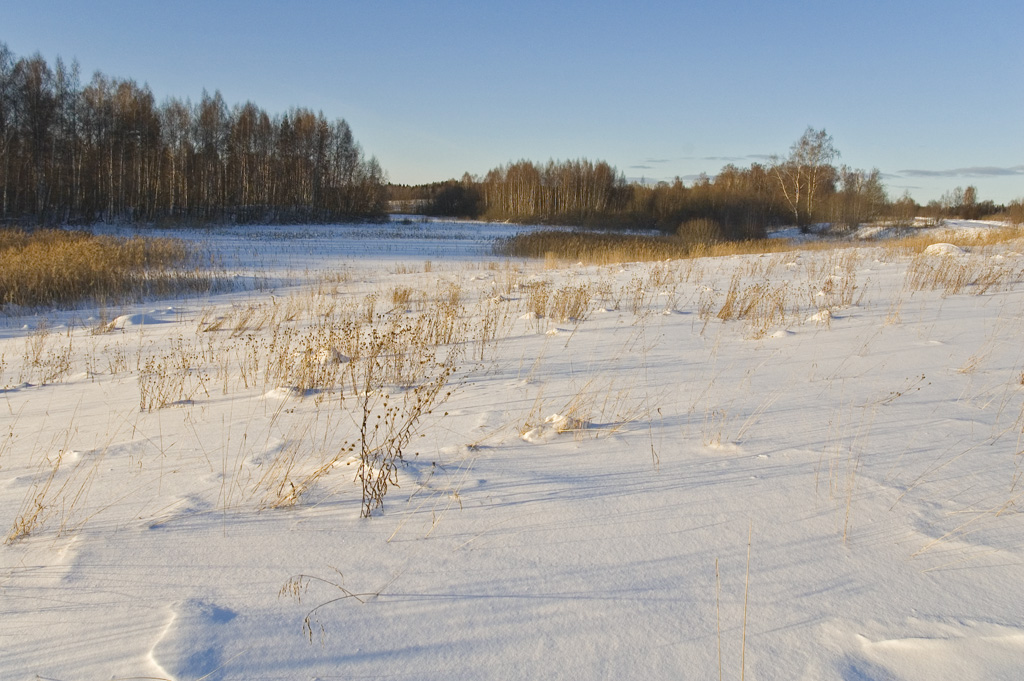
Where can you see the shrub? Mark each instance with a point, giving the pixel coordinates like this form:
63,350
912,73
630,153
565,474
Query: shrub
700,231
1016,212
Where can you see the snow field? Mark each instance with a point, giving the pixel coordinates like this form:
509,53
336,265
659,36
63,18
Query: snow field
180,492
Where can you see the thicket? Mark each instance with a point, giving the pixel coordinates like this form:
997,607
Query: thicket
1015,212
106,151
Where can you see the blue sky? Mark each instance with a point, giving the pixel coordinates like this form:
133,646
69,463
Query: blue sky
928,91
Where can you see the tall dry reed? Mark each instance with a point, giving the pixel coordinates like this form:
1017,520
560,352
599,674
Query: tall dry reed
61,268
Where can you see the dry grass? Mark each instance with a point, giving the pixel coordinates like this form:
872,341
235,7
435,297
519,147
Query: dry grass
761,306
62,268
602,248
402,297
571,303
373,377
62,484
916,241
172,378
47,357
958,274
833,281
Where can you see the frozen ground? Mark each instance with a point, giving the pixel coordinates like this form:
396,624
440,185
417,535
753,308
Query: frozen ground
796,466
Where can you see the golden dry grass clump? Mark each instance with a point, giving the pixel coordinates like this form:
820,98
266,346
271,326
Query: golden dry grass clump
700,241
914,242
601,248
59,267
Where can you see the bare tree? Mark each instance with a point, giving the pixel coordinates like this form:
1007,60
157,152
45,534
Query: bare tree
806,173
8,101
861,197
904,210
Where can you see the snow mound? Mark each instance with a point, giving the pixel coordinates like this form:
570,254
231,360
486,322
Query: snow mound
821,316
286,392
138,319
182,509
192,645
944,249
555,425
973,653
24,385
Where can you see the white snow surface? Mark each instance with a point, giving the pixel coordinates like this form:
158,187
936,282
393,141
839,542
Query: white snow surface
943,249
649,492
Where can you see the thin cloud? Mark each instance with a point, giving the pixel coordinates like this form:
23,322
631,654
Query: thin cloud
644,180
975,171
730,159
641,167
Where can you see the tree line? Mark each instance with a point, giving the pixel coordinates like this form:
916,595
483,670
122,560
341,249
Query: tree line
105,151
738,203
803,188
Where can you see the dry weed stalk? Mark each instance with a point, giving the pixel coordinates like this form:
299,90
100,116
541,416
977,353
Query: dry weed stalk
402,297
42,362
495,324
289,476
298,586
392,374
37,506
761,306
846,453
507,281
173,378
718,610
571,302
954,274
638,295
49,497
387,424
834,285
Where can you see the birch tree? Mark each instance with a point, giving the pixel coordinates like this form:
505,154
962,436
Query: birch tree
806,173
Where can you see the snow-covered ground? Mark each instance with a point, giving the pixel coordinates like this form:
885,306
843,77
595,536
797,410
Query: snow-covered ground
822,483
